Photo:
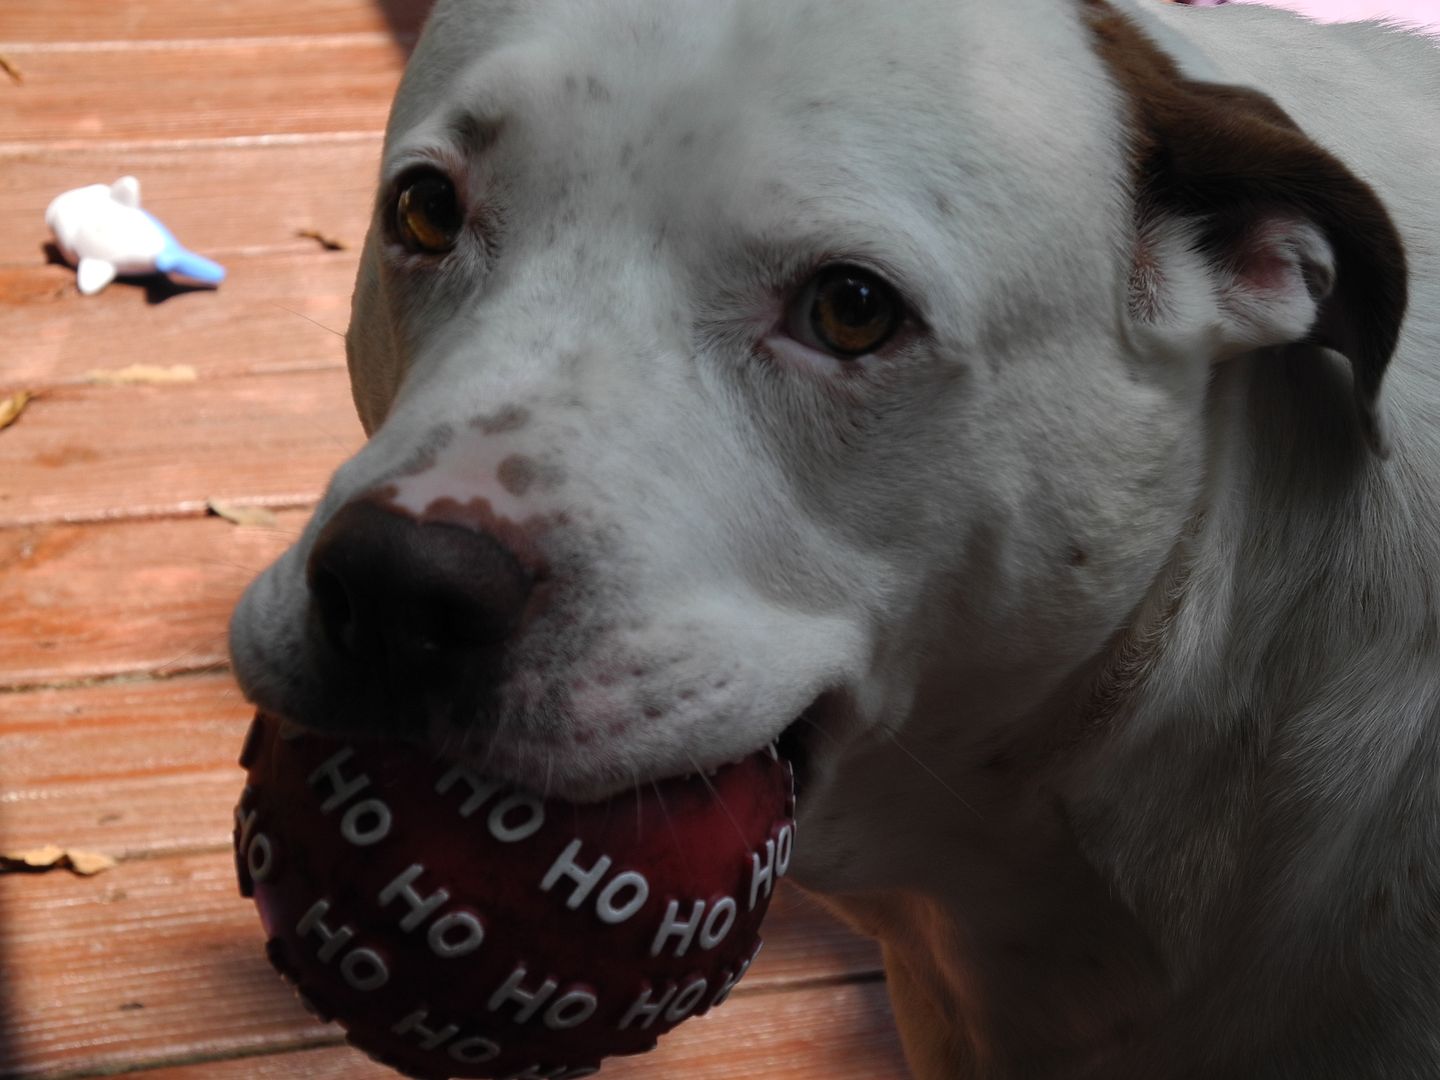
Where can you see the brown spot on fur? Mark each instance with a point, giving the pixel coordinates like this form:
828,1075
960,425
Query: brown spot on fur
516,474
1225,154
518,537
511,418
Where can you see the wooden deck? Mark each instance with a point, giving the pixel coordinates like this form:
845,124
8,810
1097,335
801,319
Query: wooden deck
248,122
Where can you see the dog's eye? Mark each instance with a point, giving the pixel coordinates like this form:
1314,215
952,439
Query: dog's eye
428,218
848,311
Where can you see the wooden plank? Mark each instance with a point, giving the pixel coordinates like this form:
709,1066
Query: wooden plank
275,313
134,729
128,817
101,768
823,1033
224,90
160,960
91,453
79,602
219,198
105,20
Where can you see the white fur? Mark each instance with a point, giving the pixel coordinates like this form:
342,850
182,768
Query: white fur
1232,867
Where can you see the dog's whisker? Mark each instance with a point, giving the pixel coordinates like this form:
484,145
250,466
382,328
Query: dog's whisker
721,802
491,743
894,737
248,569
275,530
307,318
815,725
639,808
452,735
204,644
665,814
605,821
214,667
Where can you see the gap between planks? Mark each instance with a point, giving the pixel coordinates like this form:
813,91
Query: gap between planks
365,38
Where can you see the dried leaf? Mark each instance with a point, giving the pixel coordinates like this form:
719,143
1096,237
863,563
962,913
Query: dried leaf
144,373
8,66
53,857
11,407
241,515
89,862
329,243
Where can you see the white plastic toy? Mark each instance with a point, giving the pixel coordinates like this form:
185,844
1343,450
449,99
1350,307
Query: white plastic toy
102,232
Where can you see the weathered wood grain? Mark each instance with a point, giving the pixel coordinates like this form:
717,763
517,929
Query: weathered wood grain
80,602
275,313
129,729
219,198
822,1033
102,452
69,21
103,767
228,89
161,960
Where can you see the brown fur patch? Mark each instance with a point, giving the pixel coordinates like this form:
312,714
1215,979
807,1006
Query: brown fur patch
1227,154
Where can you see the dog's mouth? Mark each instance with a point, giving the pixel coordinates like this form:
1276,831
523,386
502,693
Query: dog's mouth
794,748
801,742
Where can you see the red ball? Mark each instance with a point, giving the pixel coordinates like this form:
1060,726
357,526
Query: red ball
456,927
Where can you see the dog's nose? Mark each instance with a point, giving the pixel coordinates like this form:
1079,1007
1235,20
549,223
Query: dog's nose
401,599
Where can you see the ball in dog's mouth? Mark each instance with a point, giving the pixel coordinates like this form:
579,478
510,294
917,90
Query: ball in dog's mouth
456,927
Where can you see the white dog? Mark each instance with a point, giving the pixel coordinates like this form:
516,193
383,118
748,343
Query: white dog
985,395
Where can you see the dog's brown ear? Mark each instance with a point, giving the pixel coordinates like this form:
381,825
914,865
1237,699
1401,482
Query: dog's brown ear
1298,249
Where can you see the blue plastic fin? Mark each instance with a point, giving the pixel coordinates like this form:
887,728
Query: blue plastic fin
184,263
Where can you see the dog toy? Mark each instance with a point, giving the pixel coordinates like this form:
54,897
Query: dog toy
459,928
102,232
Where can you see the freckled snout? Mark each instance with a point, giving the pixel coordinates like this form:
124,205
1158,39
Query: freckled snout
416,605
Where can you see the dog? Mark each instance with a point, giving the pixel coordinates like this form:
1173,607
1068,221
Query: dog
1027,413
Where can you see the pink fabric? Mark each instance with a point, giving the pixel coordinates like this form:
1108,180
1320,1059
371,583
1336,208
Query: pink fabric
1422,14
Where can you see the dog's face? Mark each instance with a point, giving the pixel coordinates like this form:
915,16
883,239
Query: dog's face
788,350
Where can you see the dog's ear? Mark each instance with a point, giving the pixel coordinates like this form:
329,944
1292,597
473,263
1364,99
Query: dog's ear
1288,246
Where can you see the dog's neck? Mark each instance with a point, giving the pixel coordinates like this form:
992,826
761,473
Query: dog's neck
1110,822
1046,966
